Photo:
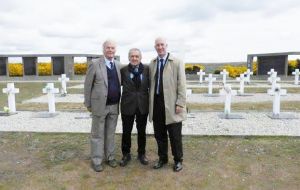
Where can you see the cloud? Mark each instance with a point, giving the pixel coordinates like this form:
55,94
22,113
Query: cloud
196,30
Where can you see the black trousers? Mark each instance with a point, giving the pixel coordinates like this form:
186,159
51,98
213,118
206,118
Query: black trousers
161,131
141,122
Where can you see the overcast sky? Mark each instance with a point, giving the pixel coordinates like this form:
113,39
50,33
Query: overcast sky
196,30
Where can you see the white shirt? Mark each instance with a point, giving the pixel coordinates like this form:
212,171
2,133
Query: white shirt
107,62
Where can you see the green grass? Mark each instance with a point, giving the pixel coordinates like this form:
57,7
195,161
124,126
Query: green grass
61,161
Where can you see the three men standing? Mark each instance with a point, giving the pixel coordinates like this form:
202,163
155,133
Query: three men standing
134,105
159,87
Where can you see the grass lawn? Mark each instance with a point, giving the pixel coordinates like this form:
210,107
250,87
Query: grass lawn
61,161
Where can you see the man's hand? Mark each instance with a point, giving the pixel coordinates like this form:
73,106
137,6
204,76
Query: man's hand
178,109
89,109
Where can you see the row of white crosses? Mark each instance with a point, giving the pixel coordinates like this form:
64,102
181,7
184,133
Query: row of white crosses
224,74
49,90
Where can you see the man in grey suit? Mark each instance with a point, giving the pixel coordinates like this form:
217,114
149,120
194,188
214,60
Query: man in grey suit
134,105
101,97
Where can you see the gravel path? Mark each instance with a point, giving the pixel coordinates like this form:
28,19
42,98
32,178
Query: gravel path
204,123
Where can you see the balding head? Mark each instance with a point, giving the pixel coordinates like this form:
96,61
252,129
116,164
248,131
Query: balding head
161,46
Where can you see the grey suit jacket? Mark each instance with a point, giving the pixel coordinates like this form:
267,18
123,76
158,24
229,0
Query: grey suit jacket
133,98
96,86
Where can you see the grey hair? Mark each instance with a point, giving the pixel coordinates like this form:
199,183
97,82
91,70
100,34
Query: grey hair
107,42
134,49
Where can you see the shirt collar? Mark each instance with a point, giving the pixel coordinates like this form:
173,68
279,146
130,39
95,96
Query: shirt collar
165,57
107,62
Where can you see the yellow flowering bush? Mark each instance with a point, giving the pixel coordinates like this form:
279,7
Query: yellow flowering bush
15,69
234,71
44,68
254,67
193,68
80,68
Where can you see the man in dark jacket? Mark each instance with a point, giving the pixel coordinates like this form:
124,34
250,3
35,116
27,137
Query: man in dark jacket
134,105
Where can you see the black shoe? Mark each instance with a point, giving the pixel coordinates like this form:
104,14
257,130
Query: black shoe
143,159
97,168
125,159
159,164
112,163
177,166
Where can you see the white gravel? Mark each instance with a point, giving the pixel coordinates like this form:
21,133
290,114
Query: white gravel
258,97
204,123
194,98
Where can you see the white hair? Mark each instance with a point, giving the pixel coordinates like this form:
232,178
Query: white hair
108,41
134,49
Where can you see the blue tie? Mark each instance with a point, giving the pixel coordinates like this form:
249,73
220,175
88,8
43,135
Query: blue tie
160,68
111,65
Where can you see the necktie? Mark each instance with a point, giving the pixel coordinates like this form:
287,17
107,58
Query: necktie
161,66
111,65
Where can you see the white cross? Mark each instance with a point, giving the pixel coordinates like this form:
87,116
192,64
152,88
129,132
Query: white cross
273,79
63,80
188,92
11,91
224,73
210,80
296,73
201,74
271,72
228,92
242,80
277,92
51,91
248,74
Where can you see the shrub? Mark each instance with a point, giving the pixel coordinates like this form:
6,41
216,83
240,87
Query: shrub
254,68
292,65
80,68
44,69
234,71
15,69
193,68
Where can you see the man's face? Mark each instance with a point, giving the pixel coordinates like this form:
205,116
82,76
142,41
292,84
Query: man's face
109,50
161,47
135,58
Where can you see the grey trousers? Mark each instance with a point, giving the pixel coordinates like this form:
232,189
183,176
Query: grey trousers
103,135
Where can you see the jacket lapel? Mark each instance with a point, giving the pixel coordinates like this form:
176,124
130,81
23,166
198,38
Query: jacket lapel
103,70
